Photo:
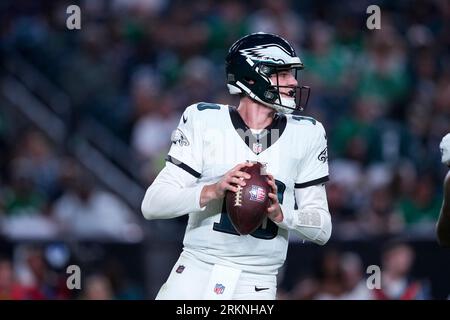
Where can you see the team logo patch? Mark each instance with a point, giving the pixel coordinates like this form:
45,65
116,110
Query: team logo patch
323,156
257,194
267,52
180,268
219,288
178,137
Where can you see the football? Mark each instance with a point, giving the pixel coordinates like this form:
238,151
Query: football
247,208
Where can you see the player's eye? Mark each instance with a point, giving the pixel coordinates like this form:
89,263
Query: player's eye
286,73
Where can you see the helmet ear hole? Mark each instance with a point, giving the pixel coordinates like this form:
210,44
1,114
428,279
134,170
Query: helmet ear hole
269,95
249,81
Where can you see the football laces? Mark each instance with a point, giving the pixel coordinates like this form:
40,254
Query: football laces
238,197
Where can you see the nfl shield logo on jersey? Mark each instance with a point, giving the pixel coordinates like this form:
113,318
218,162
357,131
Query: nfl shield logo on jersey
219,288
257,147
257,194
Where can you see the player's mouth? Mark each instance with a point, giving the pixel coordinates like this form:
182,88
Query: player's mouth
290,94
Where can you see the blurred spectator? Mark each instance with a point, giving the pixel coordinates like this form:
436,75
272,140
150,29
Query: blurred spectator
27,207
356,136
36,160
396,281
85,211
381,218
330,276
22,197
97,287
354,282
277,17
36,276
123,286
155,116
327,63
10,289
306,288
422,205
384,76
227,25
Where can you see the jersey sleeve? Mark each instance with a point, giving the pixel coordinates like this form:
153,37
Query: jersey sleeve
313,167
187,143
312,220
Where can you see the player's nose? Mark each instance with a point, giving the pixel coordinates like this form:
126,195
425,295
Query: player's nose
292,81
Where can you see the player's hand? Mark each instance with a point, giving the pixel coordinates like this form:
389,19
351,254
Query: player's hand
229,181
274,212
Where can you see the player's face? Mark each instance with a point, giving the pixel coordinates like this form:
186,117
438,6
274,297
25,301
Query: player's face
286,80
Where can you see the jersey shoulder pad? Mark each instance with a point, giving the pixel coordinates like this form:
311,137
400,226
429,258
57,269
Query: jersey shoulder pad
308,125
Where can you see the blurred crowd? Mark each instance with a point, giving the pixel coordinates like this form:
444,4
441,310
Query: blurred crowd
342,275
382,95
40,272
49,196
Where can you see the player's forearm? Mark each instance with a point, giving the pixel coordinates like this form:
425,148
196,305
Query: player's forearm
312,220
165,201
173,193
207,194
313,224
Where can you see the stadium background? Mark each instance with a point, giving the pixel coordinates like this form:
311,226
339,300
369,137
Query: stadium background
86,116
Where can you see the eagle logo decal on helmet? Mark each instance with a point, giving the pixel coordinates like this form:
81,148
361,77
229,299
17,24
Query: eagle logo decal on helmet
269,52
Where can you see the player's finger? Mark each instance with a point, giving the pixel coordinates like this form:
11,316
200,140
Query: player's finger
271,183
237,181
273,186
242,174
273,197
239,166
231,188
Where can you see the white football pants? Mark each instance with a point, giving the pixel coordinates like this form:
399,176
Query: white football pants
192,279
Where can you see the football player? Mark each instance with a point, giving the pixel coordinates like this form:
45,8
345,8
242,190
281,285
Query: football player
212,144
443,224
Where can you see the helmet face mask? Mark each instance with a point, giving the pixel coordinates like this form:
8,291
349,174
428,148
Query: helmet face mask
298,95
253,61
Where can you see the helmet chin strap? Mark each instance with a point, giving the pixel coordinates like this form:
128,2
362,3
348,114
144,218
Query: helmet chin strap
288,102
284,101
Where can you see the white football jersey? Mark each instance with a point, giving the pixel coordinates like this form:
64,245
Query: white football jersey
209,141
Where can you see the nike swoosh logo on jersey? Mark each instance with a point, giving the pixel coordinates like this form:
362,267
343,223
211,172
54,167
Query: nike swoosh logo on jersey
260,289
184,119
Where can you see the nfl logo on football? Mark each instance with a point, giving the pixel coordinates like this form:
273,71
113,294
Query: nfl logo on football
257,194
219,288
